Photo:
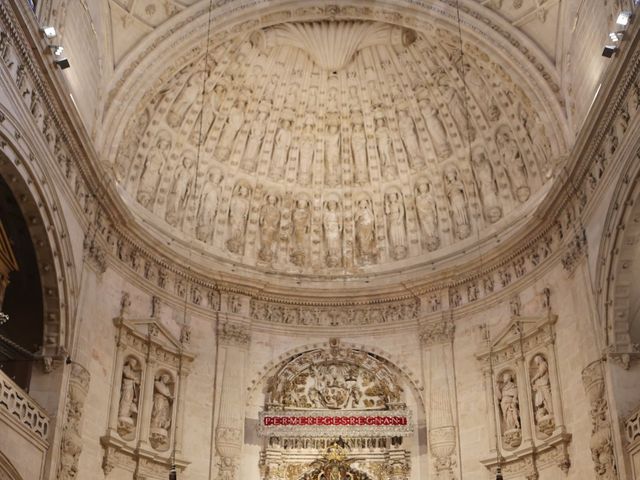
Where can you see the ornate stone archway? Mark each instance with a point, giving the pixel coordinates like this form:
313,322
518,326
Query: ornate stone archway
336,411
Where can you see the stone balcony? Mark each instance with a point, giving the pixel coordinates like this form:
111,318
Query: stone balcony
25,429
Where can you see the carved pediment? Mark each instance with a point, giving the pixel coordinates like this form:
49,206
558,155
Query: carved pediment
337,378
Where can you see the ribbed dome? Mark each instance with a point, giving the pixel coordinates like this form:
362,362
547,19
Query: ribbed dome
336,147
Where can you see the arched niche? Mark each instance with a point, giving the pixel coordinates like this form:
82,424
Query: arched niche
334,381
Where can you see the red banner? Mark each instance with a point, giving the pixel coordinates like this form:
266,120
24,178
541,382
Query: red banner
337,421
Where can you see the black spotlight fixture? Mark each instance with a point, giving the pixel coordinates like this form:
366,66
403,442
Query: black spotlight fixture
499,474
173,474
609,51
62,63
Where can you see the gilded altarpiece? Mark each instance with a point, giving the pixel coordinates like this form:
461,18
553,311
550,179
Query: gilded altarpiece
527,430
335,412
144,434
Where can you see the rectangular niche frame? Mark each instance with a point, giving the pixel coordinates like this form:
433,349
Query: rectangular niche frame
541,438
150,392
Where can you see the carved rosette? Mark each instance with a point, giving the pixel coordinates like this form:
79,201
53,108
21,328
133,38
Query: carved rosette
71,443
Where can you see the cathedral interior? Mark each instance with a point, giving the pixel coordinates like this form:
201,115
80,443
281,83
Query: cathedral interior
306,240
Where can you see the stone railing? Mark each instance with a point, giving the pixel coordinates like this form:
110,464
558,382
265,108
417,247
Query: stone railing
632,426
17,404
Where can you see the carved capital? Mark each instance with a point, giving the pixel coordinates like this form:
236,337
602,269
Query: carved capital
436,333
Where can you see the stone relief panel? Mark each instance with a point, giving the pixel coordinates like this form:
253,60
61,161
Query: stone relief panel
151,370
523,395
379,112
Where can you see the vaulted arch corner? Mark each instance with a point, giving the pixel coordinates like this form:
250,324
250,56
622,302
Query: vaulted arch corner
305,240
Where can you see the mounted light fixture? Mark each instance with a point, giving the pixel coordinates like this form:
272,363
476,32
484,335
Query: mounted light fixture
624,18
498,473
62,63
173,474
609,51
59,60
57,50
616,36
49,32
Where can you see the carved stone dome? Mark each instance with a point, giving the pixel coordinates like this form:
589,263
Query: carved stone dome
331,145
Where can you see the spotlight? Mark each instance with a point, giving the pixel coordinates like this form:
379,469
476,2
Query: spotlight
62,63
609,51
623,18
49,32
57,49
499,474
616,36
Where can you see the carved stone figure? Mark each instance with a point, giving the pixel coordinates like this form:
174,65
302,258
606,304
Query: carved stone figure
129,397
210,111
254,142
452,100
434,126
455,191
300,221
186,98
238,212
232,126
153,167
427,216
410,139
396,229
513,162
385,147
281,148
307,151
359,150
130,143
366,249
208,207
332,151
486,184
269,225
332,225
542,404
161,412
180,190
510,408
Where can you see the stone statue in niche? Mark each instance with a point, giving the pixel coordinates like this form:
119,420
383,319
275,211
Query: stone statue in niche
332,151
385,147
510,407
161,412
281,147
366,250
208,114
208,206
455,191
186,98
332,226
396,229
129,397
269,226
486,184
542,404
130,144
537,134
427,216
307,151
238,213
434,125
180,190
410,138
513,162
359,150
479,90
232,126
153,167
254,142
300,220
451,98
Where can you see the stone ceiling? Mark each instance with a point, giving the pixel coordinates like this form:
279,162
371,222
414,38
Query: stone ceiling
335,143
